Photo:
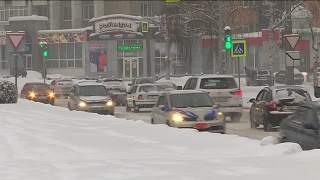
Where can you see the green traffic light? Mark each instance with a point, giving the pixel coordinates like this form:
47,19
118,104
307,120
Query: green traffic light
41,45
228,39
228,45
45,53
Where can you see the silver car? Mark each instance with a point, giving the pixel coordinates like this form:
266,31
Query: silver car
188,109
91,97
61,87
142,96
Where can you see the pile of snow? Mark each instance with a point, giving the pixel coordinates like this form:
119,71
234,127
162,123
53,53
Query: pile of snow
46,142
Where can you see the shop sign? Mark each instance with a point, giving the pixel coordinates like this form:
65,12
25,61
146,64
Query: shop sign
2,40
130,47
113,25
63,37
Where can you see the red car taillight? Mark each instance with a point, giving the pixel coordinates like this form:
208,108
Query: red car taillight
272,105
140,97
238,92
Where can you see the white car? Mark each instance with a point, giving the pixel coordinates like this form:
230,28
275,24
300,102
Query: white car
188,109
224,91
142,96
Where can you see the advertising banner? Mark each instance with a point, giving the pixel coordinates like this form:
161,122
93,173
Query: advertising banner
98,58
63,38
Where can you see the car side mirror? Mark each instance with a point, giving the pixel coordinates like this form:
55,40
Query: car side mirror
252,100
179,87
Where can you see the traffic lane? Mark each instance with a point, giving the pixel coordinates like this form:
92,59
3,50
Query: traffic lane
241,128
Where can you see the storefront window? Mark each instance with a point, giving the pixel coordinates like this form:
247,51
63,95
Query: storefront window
55,64
48,64
78,49
63,63
70,50
78,63
71,63
63,51
53,51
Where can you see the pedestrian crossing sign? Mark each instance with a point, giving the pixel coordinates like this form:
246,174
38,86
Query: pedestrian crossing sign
239,48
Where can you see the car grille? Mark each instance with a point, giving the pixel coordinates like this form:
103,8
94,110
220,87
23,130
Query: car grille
95,103
189,119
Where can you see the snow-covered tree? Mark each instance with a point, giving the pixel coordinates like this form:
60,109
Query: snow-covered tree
8,92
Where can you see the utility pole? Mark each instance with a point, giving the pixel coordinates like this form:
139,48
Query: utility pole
167,41
220,41
289,80
271,42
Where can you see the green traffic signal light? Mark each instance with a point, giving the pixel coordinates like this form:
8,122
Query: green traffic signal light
41,45
45,53
228,42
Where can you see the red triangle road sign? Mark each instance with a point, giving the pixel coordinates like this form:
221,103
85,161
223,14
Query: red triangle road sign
16,39
292,39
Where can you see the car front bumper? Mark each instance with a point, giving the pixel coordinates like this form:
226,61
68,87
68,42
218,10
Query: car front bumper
98,109
216,126
228,110
145,103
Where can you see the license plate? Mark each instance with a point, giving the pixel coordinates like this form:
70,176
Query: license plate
201,126
220,99
42,97
290,107
152,97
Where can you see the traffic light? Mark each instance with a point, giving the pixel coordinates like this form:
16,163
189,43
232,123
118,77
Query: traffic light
145,26
43,46
227,38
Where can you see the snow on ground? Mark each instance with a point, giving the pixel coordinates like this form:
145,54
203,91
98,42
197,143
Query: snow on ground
39,141
43,142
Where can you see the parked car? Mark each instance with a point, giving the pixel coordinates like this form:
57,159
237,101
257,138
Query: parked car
224,91
188,109
309,77
303,127
280,77
116,89
257,77
90,97
142,80
113,82
61,87
142,96
168,85
39,92
275,103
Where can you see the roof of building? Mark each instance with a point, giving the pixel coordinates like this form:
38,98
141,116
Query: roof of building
116,16
26,18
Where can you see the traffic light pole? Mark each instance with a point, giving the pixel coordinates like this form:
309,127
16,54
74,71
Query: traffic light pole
167,40
43,67
239,72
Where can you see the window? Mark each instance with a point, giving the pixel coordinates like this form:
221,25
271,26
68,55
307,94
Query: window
67,13
248,3
87,11
218,83
146,9
43,11
260,95
65,55
161,100
11,11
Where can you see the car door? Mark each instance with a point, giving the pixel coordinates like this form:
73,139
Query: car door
131,95
157,111
262,106
186,86
24,91
310,129
295,125
255,110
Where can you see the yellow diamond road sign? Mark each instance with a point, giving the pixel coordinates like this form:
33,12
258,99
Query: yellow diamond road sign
239,48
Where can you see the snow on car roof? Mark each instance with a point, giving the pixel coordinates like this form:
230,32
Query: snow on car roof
90,84
214,76
185,91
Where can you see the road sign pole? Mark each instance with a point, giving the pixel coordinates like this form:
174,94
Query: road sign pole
16,68
239,71
43,67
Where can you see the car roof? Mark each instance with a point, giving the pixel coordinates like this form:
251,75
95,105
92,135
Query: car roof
148,84
33,83
214,76
185,92
111,79
90,84
285,87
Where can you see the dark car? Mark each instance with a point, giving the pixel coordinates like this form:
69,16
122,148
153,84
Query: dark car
112,82
39,92
280,77
257,77
303,127
117,94
273,104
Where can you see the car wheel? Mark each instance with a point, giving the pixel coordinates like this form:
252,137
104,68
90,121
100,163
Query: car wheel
235,117
69,107
128,109
253,123
267,127
168,123
135,108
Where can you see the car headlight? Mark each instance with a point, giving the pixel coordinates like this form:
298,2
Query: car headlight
32,94
82,104
220,115
177,117
109,103
51,94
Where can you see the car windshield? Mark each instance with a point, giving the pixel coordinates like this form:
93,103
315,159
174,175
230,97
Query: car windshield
296,94
116,90
191,100
39,87
65,82
150,88
263,72
93,91
218,83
